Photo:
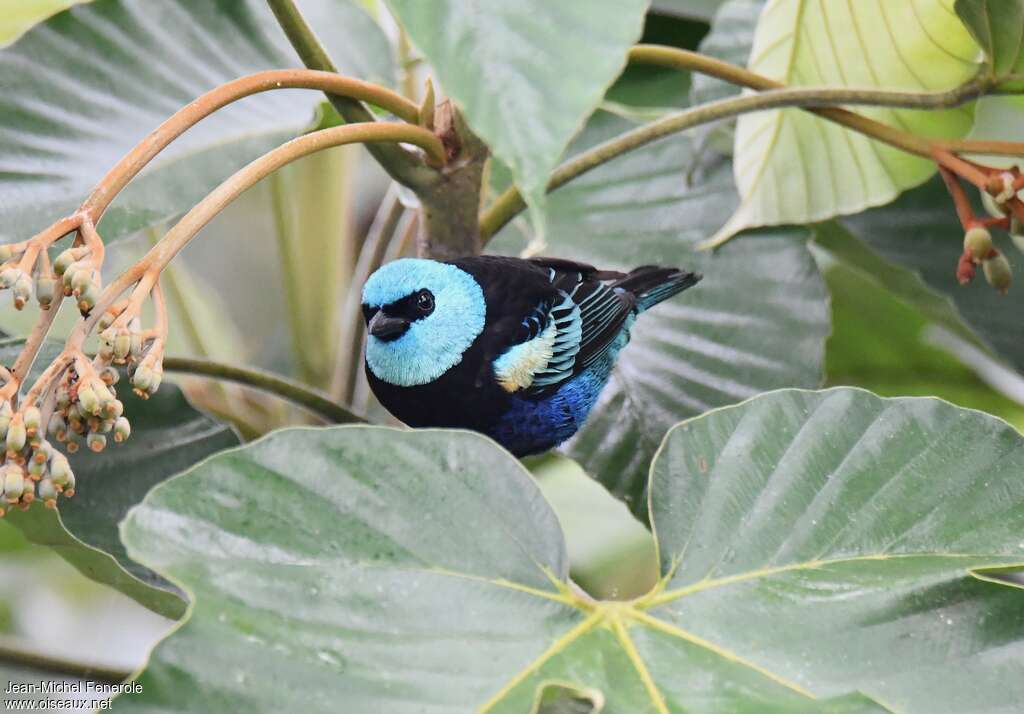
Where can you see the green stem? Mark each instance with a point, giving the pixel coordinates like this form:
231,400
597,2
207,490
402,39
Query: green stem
819,100
311,399
56,665
401,165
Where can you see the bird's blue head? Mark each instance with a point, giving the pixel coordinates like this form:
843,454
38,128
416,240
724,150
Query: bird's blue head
421,317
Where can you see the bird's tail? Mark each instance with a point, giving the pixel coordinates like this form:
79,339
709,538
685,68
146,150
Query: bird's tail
651,284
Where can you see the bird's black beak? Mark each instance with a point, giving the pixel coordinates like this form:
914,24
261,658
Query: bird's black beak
387,328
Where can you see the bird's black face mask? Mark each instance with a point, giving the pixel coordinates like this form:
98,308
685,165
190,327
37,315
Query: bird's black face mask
393,320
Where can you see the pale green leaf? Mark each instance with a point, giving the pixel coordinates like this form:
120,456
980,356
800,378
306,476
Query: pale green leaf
18,16
526,74
792,167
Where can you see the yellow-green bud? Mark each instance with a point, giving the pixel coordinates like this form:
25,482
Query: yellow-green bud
88,401
88,297
36,469
33,420
8,276
22,291
113,409
978,242
96,441
998,273
122,429
6,253
46,290
122,345
60,469
16,435
48,492
14,483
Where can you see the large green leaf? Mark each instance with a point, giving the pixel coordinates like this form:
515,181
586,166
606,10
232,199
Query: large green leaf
82,88
830,539
812,544
168,435
757,321
526,74
920,231
791,166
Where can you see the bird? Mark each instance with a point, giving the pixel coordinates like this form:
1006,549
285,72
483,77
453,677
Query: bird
517,349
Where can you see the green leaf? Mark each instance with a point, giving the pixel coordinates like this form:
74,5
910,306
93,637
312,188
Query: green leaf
818,551
168,435
20,15
882,343
136,62
757,321
830,539
998,28
920,232
515,92
792,167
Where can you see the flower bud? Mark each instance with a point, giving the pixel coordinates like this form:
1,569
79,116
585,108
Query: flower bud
110,376
14,483
106,351
32,419
998,272
46,290
67,258
88,297
16,435
48,493
143,377
122,429
96,442
81,280
978,242
56,425
122,345
6,253
8,276
994,208
22,291
88,400
113,409
36,469
60,469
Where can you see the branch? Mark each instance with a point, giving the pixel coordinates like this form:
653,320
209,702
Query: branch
149,266
194,112
774,95
311,399
400,164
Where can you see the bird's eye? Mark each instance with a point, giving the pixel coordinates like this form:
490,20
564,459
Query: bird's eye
425,302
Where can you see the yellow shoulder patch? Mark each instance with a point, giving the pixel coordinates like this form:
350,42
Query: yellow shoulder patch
516,368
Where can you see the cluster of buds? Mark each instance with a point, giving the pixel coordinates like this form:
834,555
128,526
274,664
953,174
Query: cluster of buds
87,410
79,277
25,270
32,468
129,346
979,250
1001,200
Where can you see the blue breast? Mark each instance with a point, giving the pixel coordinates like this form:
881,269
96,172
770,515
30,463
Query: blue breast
533,426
